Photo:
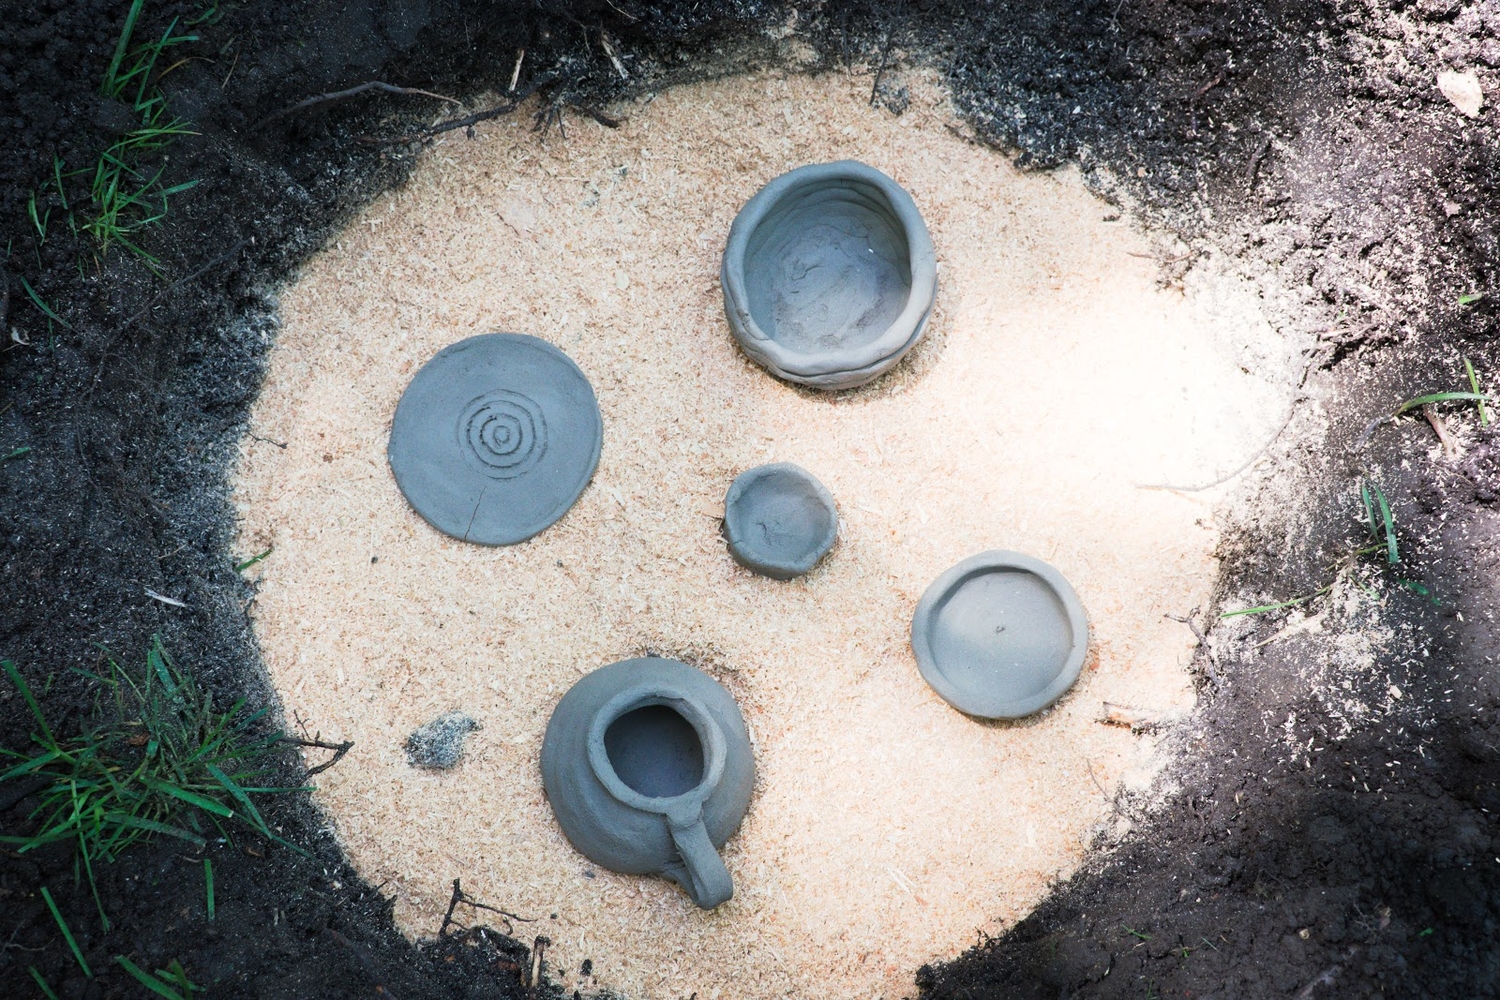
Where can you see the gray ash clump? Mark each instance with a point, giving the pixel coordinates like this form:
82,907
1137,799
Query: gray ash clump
440,743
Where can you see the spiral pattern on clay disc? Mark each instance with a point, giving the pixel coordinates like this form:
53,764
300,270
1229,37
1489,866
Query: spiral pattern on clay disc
502,434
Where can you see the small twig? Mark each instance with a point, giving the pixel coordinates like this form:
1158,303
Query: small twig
538,947
1092,777
459,896
1326,977
1202,648
515,74
596,114
1210,85
230,73
339,750
885,51
340,95
1237,470
1253,167
1162,260
174,602
1137,720
1436,420
517,98
614,57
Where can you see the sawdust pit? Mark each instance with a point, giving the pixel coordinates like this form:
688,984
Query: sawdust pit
1057,379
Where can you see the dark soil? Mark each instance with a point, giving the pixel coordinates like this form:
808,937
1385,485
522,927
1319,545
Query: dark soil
1300,850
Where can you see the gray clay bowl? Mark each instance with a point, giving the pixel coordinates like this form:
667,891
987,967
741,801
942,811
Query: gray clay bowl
1000,635
779,520
495,438
829,275
648,769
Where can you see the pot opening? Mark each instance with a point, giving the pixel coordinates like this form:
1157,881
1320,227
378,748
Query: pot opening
655,751
829,267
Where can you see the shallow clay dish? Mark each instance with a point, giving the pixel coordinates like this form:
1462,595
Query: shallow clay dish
1000,636
495,438
829,275
779,520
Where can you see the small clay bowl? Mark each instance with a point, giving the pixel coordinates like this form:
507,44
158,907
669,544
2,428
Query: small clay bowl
829,275
1000,635
779,520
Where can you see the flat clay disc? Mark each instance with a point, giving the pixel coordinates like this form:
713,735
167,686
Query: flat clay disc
1000,636
495,438
779,520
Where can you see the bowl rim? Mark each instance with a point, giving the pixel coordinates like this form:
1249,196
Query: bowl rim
903,330
979,703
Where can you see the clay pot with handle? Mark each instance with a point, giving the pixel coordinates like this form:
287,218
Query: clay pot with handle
648,768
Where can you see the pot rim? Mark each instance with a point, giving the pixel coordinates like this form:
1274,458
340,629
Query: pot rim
681,807
897,337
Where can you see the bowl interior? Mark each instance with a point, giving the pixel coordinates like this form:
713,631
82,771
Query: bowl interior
1002,634
655,751
828,267
781,519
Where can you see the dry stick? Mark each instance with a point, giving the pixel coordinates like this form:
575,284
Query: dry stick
459,896
515,74
339,750
467,121
339,95
885,51
1436,420
538,947
1254,166
596,114
1226,478
614,57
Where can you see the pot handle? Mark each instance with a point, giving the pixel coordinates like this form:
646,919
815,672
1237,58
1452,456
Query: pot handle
701,871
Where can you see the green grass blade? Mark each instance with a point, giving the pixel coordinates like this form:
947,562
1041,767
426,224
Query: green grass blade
1389,525
240,567
1364,494
1262,608
240,796
41,983
32,764
147,980
67,934
21,685
42,305
208,884
1484,414
120,48
191,798
130,822
1438,397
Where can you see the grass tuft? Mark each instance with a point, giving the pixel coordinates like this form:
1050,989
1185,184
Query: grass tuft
173,974
160,761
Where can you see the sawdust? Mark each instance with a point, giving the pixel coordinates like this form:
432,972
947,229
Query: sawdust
886,828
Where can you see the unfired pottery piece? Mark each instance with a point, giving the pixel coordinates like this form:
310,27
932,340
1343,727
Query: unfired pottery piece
1000,636
829,275
648,768
495,438
779,519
